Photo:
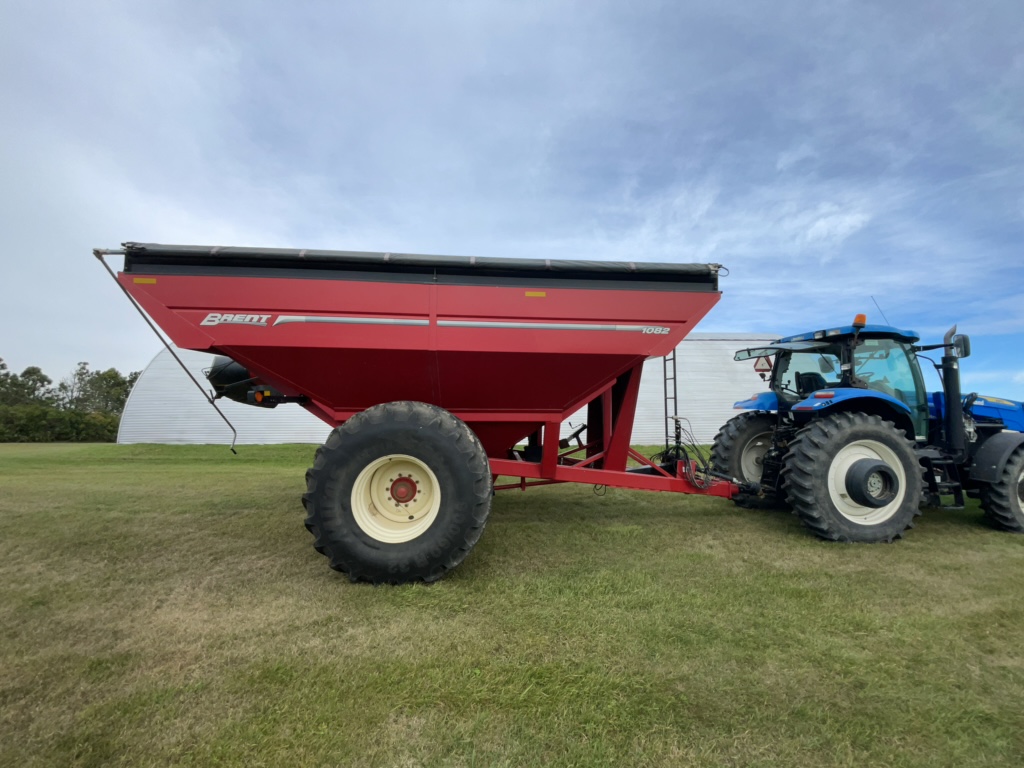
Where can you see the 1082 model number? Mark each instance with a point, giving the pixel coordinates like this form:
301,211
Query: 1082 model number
656,329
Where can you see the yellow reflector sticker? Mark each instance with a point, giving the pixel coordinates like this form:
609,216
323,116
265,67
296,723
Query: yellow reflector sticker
145,281
537,294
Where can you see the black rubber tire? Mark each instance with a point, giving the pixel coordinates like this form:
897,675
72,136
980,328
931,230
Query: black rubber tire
727,451
734,437
1003,500
431,435
806,482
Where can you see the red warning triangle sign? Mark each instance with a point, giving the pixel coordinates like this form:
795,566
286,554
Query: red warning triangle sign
763,364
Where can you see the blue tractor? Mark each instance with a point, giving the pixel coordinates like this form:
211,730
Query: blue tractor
850,439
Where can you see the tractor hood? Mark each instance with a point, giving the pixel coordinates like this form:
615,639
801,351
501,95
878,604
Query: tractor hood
985,408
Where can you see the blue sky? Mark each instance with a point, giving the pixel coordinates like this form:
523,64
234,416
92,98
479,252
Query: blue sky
826,153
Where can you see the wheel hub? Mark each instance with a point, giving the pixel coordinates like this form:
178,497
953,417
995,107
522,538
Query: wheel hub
752,456
871,483
403,489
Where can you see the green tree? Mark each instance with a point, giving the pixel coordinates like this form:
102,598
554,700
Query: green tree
108,391
71,392
37,386
90,391
31,387
84,407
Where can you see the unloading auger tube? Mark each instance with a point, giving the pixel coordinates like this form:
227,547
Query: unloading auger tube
100,253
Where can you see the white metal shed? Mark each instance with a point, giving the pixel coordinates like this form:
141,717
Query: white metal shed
709,382
165,407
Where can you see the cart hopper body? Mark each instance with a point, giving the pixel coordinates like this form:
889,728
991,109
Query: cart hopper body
507,345
433,369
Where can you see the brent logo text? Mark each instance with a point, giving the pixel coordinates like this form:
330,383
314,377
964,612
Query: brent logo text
230,318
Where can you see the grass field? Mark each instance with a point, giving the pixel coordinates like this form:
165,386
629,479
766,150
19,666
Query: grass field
163,605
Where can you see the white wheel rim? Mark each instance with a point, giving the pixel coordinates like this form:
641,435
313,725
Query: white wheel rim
395,498
752,456
850,454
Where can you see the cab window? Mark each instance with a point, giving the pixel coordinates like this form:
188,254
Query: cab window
799,374
889,367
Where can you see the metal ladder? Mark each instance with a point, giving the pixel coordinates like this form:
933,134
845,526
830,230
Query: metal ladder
671,399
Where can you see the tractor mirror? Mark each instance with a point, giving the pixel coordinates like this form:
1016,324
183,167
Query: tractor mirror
825,365
962,345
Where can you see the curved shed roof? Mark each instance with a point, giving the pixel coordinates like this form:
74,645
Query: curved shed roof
165,407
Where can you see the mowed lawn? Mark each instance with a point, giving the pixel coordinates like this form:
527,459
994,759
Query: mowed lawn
163,605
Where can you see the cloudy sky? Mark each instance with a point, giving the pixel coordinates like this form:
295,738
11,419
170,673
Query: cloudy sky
826,153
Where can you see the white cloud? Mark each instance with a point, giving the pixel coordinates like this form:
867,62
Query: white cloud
832,226
794,156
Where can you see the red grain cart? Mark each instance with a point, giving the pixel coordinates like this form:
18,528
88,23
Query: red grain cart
433,369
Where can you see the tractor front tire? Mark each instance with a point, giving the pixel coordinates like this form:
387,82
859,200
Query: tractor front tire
399,493
738,451
1003,500
853,477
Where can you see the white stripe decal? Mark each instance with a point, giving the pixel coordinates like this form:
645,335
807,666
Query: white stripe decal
348,320
495,324
542,326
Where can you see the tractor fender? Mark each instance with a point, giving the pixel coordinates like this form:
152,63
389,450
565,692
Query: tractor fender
861,400
842,395
991,458
762,401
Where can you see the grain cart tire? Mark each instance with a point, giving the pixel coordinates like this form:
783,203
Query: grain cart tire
853,477
1003,500
398,493
737,451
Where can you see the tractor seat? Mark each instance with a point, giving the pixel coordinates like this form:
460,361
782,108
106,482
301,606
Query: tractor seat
806,383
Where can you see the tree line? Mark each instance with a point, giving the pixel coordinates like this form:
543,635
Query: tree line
84,406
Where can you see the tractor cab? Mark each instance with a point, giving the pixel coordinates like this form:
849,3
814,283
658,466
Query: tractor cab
808,372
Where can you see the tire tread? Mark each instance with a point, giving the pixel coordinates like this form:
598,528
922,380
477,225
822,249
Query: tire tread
424,416
723,446
1000,507
804,467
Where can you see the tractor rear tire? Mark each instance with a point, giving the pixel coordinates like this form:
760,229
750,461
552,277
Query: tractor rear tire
399,493
1003,501
853,477
737,451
